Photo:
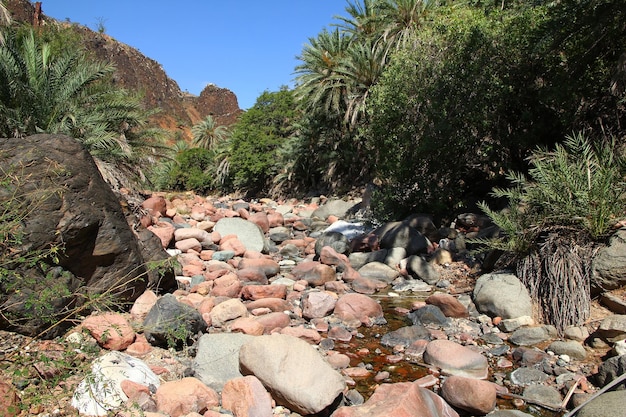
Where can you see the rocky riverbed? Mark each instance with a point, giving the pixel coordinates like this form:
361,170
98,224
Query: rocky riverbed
305,308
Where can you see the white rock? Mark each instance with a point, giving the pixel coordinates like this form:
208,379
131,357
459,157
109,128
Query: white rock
100,392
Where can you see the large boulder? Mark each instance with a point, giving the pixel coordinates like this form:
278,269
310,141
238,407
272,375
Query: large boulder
609,263
63,203
293,371
502,295
247,232
217,358
401,235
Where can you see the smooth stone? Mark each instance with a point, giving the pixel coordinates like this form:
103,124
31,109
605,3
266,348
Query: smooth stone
217,358
455,359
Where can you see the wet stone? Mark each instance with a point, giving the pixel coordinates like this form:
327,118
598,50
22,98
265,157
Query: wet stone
526,376
405,336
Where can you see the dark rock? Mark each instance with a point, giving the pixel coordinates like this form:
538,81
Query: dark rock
544,394
401,235
70,207
335,240
429,314
423,223
607,404
526,376
405,336
611,369
420,268
172,323
526,336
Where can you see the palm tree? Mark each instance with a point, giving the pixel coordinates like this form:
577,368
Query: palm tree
64,92
207,134
365,20
5,19
401,19
320,83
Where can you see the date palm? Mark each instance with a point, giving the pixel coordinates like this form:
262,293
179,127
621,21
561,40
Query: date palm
401,19
207,134
321,82
64,92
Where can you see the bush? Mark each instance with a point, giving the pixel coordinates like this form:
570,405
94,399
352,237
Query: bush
556,218
193,171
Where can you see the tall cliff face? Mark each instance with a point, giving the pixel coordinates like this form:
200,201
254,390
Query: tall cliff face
136,72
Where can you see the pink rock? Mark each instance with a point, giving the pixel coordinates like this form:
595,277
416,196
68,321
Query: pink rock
261,311
256,292
200,235
206,305
252,275
455,359
427,381
317,304
243,213
403,399
339,333
358,309
314,273
350,274
364,285
246,397
233,244
469,394
142,305
111,330
226,311
253,254
448,304
155,205
275,219
356,372
338,360
132,389
164,231
9,400
261,220
198,213
193,299
247,325
226,286
140,347
272,304
269,267
273,321
191,269
185,396
186,245
308,335
338,287
330,256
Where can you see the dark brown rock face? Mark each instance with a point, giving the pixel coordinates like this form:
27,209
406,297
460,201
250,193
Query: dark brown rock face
220,103
62,201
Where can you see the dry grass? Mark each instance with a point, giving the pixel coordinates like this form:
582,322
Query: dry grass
558,276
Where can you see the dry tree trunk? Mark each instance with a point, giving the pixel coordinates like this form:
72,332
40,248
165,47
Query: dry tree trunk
558,276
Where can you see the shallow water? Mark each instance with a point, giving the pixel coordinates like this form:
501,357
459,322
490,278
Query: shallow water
365,350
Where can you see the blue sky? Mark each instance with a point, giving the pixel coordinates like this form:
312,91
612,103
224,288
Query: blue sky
247,46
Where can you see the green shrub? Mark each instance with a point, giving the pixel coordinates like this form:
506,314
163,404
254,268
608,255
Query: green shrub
556,218
193,171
